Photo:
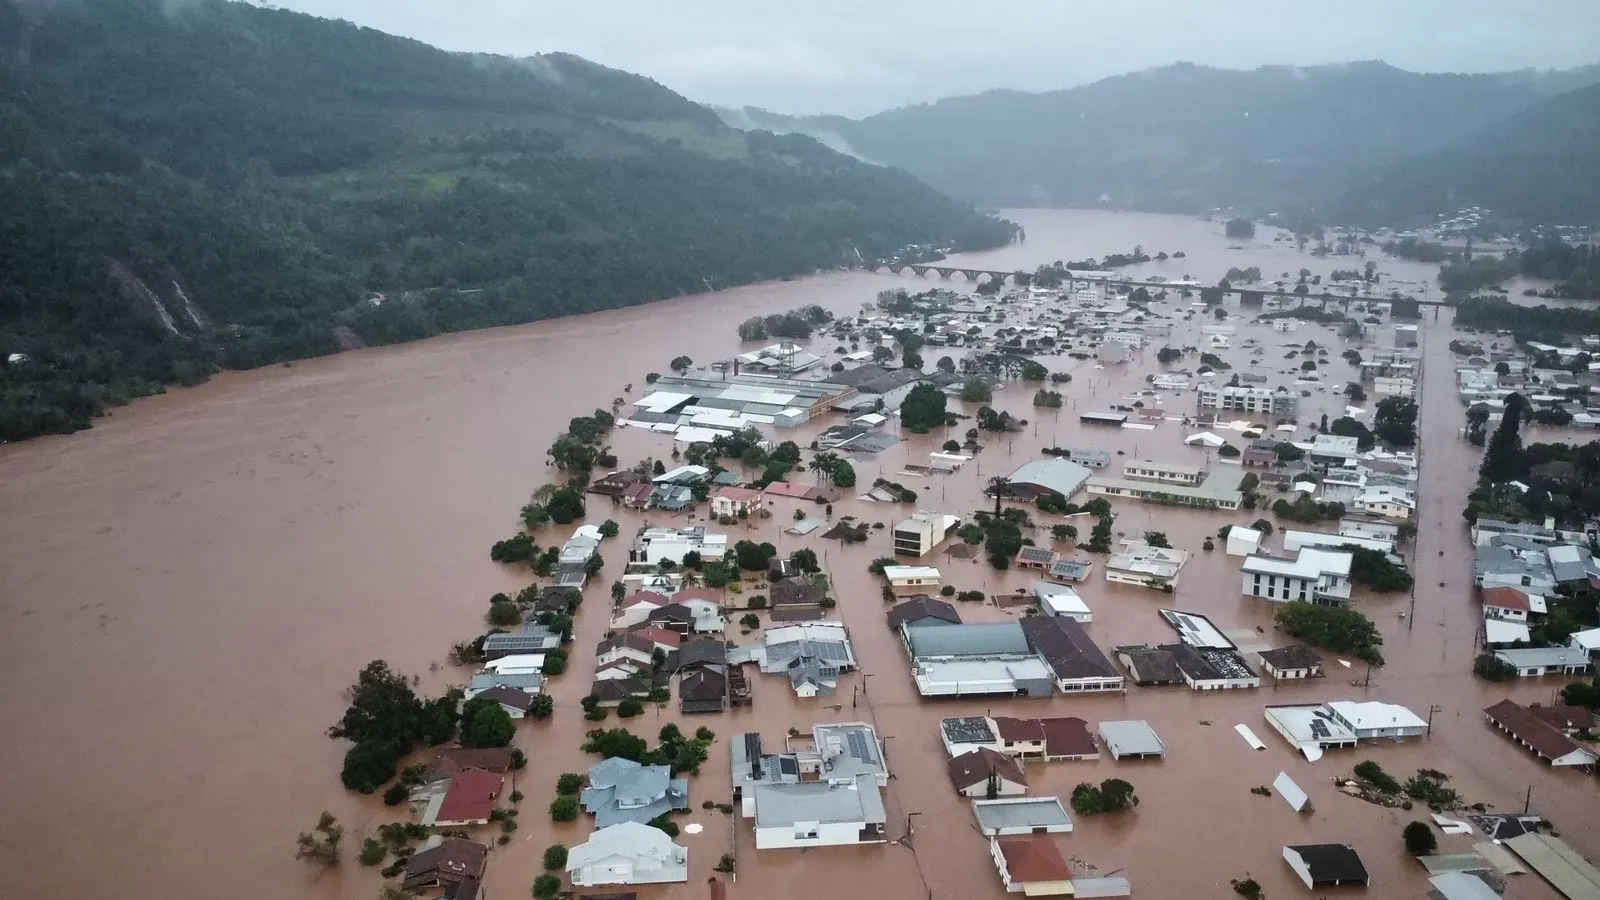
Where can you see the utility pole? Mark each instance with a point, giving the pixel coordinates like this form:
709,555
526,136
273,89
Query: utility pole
1527,800
1432,708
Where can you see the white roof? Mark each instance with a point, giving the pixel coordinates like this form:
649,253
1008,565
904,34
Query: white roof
633,840
1309,563
1205,437
1499,631
896,573
1588,639
516,663
1059,598
661,401
1373,714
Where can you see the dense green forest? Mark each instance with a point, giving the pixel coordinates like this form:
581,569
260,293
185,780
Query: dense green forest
1188,138
1540,166
212,184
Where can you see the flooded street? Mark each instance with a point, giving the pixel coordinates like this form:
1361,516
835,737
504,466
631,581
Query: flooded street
187,589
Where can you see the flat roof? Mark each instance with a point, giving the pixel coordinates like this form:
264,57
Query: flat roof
1131,737
1374,714
1196,630
1558,864
895,572
971,675
1309,563
1295,723
1197,491
1021,812
1159,466
818,801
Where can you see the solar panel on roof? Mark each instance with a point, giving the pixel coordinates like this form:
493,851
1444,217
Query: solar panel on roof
1319,729
860,747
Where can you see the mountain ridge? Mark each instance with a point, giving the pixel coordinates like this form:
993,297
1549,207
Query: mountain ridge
1186,137
227,185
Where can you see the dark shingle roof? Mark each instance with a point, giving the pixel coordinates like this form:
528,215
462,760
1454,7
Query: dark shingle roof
922,608
1066,647
1332,863
973,768
1292,657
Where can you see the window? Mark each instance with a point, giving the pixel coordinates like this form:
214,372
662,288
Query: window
805,831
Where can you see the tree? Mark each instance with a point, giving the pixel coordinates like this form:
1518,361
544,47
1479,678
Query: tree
321,844
923,408
1502,461
1419,839
1116,795
1168,354
564,808
1395,421
555,857
1345,426
951,446
569,783
546,887
615,742
485,723
1586,695
372,852
1086,800
629,708
680,364
805,560
1355,393
1002,541
976,390
1239,228
504,614
1288,452
543,705
1492,668
1248,888
1373,569
843,474
753,557
1333,628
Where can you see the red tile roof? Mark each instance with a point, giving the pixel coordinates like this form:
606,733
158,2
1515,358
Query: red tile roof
659,635
1017,730
448,763
738,495
698,593
1506,598
1546,740
1033,858
1566,718
1068,736
650,597
471,796
801,491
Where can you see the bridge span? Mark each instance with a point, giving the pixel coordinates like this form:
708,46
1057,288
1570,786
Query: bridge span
1023,279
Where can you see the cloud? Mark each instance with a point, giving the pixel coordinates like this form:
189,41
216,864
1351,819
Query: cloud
856,58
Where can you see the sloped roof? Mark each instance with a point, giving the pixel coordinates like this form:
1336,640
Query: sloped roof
1033,858
1546,739
1291,657
451,861
1066,647
446,763
1068,736
470,796
919,608
1330,863
975,767
985,639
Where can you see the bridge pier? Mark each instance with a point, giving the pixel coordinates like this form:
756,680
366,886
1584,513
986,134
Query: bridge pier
919,271
944,274
971,274
896,268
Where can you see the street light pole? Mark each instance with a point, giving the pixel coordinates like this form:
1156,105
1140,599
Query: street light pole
1432,708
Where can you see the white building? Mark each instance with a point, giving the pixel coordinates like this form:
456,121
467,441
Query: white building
1294,540
1372,719
654,544
1203,496
1389,501
1061,600
1534,662
918,535
627,853
1276,403
906,580
1395,386
819,814
1142,565
1243,541
1163,473
1315,576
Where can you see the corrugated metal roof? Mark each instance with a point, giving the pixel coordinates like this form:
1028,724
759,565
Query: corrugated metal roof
1558,864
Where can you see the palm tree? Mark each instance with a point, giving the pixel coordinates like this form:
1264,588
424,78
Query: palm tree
999,485
691,578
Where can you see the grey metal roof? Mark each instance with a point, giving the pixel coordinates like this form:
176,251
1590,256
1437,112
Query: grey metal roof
783,656
818,801
1544,656
1021,812
1570,562
1060,475
1131,737
533,638
530,681
981,639
621,790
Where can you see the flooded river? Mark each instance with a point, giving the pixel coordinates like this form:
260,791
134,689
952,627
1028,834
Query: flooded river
186,590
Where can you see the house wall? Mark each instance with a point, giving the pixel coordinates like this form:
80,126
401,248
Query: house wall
1278,588
828,834
980,791
1299,867
1089,685
1508,615
1285,674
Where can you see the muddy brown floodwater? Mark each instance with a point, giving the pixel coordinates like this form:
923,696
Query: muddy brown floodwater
186,589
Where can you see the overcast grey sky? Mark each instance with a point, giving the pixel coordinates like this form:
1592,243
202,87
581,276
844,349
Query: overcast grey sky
857,57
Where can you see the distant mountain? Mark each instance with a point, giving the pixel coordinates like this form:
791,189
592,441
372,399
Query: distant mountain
1540,166
1186,137
188,186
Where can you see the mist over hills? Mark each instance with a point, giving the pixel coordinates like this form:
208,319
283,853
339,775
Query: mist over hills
212,184
1186,138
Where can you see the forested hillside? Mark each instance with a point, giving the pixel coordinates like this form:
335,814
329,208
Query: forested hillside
1183,137
1541,166
227,186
